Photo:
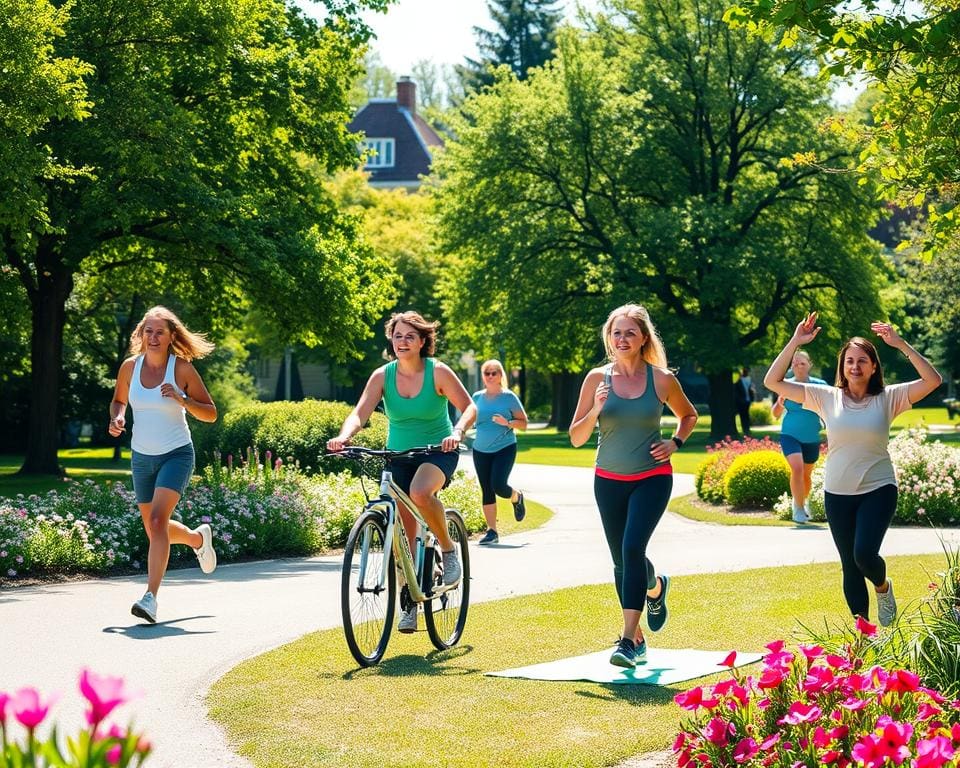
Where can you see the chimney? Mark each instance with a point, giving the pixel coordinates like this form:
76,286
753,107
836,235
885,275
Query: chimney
407,94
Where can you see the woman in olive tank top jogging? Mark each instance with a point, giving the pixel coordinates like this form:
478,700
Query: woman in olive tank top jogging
633,478
415,389
162,386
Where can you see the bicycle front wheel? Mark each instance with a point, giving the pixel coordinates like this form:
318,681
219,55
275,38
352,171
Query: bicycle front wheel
366,602
446,614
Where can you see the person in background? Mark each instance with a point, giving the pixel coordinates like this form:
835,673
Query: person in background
499,414
744,394
633,478
860,485
162,387
415,389
799,438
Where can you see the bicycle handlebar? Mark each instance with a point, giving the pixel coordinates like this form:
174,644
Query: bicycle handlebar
362,452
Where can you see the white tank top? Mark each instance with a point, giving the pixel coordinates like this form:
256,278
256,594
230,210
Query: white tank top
159,423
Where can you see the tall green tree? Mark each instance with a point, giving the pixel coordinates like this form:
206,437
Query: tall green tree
523,37
192,165
652,161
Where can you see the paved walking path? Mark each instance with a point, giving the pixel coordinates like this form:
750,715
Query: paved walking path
209,624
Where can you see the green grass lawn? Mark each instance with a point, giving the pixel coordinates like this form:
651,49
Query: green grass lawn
687,506
306,703
81,464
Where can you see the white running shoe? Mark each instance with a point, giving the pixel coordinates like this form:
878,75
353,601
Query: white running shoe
886,605
799,516
408,620
206,555
146,608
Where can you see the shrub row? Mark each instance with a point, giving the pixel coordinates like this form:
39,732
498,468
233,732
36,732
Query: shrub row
747,473
256,510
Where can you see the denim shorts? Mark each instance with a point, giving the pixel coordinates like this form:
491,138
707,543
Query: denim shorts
405,467
810,451
171,470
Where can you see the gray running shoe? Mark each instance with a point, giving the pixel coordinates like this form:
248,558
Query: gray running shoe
146,608
799,516
490,537
408,620
206,555
886,605
451,568
657,606
625,654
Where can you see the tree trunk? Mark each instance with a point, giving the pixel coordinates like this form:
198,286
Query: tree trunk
566,390
723,411
47,305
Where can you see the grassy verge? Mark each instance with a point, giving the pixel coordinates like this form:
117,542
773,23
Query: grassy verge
81,464
694,509
306,703
537,515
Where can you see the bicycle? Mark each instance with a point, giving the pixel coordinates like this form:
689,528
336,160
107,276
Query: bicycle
368,581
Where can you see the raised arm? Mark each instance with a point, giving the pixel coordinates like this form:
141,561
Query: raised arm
372,394
805,332
930,377
593,394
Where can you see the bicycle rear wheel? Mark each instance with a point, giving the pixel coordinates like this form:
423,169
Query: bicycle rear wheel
366,604
446,614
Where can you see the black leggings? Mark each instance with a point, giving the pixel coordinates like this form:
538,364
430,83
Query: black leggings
630,511
493,472
858,524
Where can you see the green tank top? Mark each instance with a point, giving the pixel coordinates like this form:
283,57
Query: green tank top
628,429
414,421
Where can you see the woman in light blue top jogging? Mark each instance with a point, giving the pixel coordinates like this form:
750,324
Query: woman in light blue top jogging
499,413
415,389
633,478
799,437
162,386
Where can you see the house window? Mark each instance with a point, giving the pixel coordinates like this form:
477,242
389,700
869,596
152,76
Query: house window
380,153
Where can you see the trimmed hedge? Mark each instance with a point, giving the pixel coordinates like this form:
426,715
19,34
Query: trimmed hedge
757,479
293,431
761,414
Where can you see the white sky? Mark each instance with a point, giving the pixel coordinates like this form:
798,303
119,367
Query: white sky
441,31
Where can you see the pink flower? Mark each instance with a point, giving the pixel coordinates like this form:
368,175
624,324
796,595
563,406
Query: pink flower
770,741
902,681
818,679
28,707
865,627
113,754
820,737
776,646
926,711
867,752
854,705
680,741
933,753
694,698
717,731
744,750
729,661
801,713
103,692
837,662
771,677
895,739
4,698
812,652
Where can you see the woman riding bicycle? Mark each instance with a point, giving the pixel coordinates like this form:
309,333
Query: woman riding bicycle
415,389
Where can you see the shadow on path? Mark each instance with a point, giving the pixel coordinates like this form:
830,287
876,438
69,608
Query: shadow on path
160,629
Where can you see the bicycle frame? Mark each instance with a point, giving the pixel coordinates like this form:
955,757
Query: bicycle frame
411,565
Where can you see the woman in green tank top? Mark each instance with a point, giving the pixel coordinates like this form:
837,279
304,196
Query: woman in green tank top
633,477
415,389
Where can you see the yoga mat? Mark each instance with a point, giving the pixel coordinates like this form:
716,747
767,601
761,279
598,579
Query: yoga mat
663,667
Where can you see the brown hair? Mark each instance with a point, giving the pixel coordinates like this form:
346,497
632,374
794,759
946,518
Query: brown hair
493,363
186,343
426,329
652,349
875,385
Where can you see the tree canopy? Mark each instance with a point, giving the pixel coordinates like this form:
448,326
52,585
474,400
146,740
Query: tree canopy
177,139
652,161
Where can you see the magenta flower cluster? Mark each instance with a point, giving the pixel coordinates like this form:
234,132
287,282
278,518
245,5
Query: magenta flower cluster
813,708
100,745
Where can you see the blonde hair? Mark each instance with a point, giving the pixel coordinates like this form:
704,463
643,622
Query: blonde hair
493,363
186,343
652,350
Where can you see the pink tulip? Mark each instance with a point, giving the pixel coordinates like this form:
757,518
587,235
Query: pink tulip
730,660
902,681
776,646
933,753
836,661
694,698
114,754
819,679
4,698
744,750
771,677
28,707
926,711
820,737
103,692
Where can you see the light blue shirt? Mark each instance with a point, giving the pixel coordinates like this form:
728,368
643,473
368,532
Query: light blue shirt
800,424
491,437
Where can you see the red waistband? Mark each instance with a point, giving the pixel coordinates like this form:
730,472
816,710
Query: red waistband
663,469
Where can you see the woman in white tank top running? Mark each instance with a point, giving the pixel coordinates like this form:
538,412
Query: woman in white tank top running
162,386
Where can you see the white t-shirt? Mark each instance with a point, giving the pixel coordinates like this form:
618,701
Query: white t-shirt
857,435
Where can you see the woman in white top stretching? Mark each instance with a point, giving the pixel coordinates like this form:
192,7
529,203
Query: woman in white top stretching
162,386
859,481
